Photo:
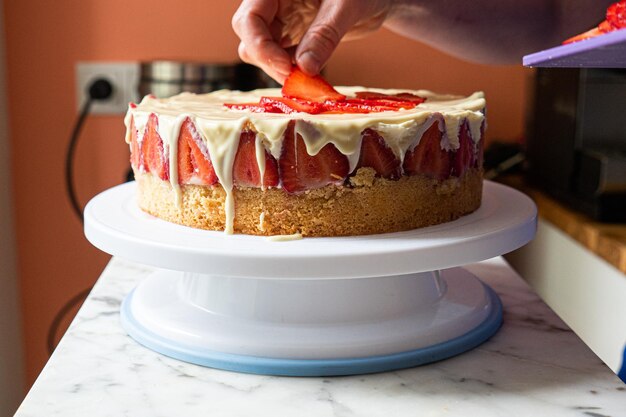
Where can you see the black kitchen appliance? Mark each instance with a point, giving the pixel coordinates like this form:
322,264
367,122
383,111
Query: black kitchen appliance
576,139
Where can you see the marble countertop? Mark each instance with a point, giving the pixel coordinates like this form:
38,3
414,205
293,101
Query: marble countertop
534,366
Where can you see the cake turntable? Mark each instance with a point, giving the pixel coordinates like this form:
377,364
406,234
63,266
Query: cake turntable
316,306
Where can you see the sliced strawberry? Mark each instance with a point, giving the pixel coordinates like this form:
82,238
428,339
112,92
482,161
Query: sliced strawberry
313,95
377,155
246,171
305,87
194,162
605,27
300,171
615,19
288,105
380,102
406,97
616,15
428,158
152,150
463,158
253,107
361,106
414,98
585,35
135,152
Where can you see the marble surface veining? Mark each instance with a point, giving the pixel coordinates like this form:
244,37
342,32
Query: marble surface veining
534,366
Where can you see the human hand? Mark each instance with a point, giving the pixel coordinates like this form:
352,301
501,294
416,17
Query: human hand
276,33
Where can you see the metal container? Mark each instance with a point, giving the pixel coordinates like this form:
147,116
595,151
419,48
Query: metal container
167,78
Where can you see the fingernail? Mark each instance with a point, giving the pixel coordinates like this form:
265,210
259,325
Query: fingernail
309,62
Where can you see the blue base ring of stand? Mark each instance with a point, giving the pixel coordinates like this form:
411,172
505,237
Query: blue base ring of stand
316,367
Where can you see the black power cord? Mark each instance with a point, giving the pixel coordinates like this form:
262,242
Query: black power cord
60,315
99,89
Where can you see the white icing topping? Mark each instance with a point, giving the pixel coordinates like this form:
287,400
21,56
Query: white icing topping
220,127
222,140
169,129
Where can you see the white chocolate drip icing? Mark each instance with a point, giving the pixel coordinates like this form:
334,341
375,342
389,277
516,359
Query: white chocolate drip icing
220,128
169,130
222,139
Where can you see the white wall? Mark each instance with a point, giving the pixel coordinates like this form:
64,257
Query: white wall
11,360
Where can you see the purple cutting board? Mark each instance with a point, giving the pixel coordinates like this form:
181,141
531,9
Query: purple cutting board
604,51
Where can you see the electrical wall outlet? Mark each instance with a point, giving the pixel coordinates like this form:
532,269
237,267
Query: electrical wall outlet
124,77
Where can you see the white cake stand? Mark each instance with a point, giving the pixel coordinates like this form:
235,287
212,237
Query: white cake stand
316,306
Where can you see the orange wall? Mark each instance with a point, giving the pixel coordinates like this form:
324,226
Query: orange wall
45,39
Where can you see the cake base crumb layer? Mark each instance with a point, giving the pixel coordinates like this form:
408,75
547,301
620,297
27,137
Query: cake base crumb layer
370,205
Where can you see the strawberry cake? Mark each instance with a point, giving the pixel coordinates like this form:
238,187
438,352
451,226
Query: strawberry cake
310,159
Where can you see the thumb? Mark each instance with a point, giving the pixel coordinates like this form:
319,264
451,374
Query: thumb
332,22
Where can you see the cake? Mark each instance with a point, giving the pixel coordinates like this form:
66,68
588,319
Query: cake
256,163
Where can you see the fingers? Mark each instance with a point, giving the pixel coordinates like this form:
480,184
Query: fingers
332,22
267,28
269,68
252,23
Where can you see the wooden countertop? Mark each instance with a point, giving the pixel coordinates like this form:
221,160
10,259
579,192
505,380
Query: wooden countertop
606,240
